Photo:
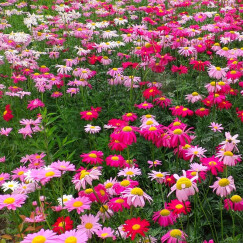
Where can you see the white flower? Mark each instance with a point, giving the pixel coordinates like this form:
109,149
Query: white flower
12,185
92,129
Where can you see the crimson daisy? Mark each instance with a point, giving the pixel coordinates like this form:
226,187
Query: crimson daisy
136,226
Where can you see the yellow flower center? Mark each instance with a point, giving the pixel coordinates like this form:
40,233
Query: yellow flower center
177,131
212,163
104,209
129,173
127,129
125,183
179,206
83,174
233,72
194,173
149,122
115,69
236,198
183,183
164,212
50,173
225,48
145,104
115,158
108,185
162,98
77,204
89,113
218,68
129,114
187,146
88,191
102,192
152,129
186,48
61,224
5,112
194,94
224,182
119,201
228,153
1,178
147,45
88,226
175,233
20,172
92,155
176,124
137,191
71,239
39,239
136,226
148,116
9,200
213,83
104,234
159,175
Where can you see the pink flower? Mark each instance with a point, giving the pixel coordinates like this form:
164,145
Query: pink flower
217,72
129,117
145,105
93,157
118,204
77,236
5,131
174,236
184,187
63,166
35,104
223,186
126,135
216,127
136,197
165,217
195,151
213,164
12,201
42,236
89,224
80,204
115,160
106,232
154,163
235,203
228,157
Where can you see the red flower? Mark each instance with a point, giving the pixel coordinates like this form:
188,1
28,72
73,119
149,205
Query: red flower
135,226
93,59
240,114
199,65
153,91
224,105
178,207
7,114
202,112
180,70
62,225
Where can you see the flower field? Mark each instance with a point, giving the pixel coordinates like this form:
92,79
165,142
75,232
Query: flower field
121,121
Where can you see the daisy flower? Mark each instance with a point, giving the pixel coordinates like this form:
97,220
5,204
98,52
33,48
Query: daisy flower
106,232
92,129
115,160
12,185
228,158
158,176
178,207
136,196
93,157
118,204
12,201
129,172
136,226
105,212
184,187
64,199
129,117
230,142
5,131
62,224
89,224
73,236
213,164
235,203
174,236
4,177
223,186
154,163
63,166
217,72
80,204
195,152
33,104
216,127
193,97
165,217
42,236
145,105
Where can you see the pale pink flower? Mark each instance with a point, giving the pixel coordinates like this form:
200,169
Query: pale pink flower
216,127
217,72
224,186
136,197
129,172
5,131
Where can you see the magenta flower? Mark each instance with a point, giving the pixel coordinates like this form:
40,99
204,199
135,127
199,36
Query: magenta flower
33,104
174,236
